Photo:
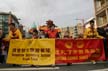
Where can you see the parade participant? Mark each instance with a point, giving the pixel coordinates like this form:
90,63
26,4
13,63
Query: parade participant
49,23
42,34
14,33
91,32
52,32
34,34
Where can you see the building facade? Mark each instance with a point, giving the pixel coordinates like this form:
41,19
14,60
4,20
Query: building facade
69,29
74,31
4,21
78,31
101,12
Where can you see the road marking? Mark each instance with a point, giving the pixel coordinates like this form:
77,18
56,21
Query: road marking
100,70
24,69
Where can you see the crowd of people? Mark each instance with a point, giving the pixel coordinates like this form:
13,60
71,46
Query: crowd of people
49,31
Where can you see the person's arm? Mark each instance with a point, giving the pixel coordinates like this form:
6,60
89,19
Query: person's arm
19,34
98,36
8,37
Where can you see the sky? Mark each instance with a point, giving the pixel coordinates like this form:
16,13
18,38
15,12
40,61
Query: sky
63,12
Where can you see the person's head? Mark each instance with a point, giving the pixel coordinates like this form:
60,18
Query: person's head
92,23
49,23
12,26
35,33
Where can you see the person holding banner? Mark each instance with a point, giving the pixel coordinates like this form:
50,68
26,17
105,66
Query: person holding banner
14,33
52,32
90,33
42,34
34,34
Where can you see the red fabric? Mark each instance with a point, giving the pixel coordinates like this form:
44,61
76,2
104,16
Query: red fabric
52,34
81,50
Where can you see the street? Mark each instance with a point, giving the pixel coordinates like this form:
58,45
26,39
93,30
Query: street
100,66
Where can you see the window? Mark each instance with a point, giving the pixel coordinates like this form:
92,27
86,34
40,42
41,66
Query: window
99,4
5,17
102,2
107,2
101,19
1,17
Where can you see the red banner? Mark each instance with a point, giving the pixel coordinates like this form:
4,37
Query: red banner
81,50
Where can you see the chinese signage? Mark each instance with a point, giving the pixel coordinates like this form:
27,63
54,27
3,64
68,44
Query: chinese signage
81,50
36,52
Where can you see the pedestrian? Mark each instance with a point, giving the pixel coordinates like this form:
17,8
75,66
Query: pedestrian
90,33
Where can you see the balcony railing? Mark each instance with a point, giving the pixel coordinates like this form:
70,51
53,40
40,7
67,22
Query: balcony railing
100,7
